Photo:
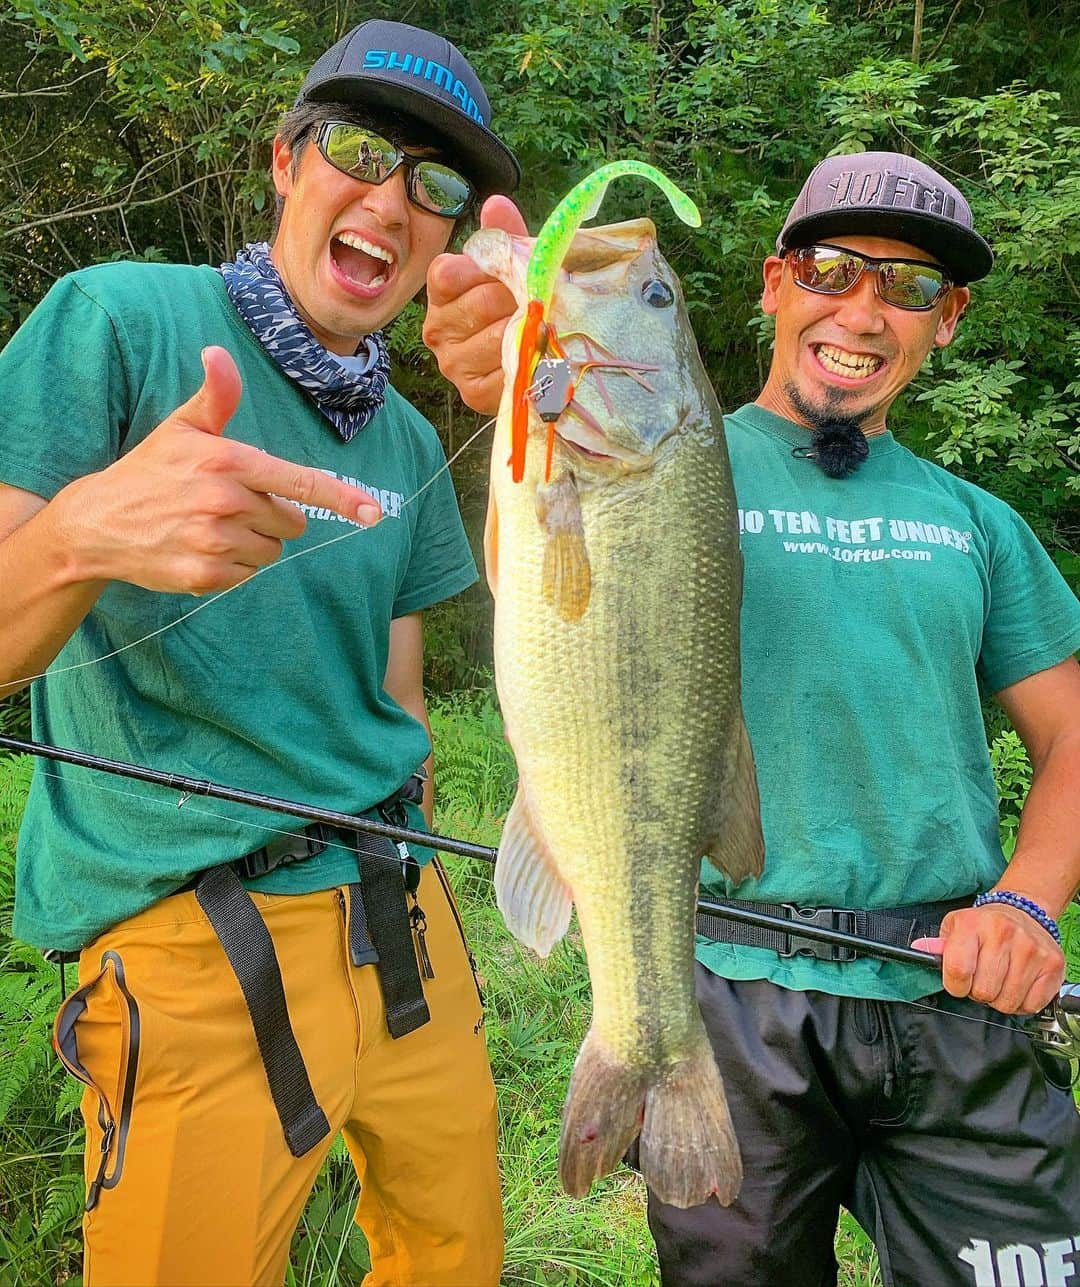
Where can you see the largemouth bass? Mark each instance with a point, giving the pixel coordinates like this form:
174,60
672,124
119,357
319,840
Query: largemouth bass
616,574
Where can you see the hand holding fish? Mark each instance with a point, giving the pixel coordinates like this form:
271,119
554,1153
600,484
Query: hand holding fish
998,955
188,510
467,315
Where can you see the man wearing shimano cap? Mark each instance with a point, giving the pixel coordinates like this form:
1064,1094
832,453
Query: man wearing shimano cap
882,598
249,987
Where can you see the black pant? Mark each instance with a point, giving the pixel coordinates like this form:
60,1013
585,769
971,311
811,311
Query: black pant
944,1138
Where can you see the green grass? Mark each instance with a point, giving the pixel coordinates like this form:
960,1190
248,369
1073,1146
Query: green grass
537,1012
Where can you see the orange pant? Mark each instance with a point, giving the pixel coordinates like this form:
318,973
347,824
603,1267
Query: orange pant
199,1186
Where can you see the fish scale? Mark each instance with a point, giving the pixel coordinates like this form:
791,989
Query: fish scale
626,779
618,677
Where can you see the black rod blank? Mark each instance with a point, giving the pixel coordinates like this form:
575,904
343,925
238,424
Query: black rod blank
196,786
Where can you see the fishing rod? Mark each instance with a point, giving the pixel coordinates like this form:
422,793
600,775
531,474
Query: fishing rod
188,787
1055,1028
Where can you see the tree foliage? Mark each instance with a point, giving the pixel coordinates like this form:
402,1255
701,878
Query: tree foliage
142,129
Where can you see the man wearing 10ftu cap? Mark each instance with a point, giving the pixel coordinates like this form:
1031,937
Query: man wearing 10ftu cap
882,597
248,987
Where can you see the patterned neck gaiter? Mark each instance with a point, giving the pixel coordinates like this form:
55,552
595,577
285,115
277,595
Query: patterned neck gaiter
348,399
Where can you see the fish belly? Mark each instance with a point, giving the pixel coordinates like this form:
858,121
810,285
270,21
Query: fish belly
624,724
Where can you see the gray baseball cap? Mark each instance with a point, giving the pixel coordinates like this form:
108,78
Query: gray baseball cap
415,72
886,194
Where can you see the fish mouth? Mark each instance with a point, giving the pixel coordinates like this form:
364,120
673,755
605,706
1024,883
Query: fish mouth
362,265
591,442
582,434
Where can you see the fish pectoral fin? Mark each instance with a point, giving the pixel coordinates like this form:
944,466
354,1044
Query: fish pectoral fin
491,545
534,899
737,846
566,577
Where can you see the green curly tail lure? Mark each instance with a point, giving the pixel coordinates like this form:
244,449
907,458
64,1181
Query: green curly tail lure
580,203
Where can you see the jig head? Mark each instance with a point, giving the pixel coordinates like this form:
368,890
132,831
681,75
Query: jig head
535,338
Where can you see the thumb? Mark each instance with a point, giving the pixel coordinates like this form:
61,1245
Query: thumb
213,405
500,212
935,946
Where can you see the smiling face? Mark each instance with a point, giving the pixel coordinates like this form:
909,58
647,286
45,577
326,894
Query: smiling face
848,356
351,254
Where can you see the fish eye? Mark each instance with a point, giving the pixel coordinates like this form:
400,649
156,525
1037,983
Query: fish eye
657,294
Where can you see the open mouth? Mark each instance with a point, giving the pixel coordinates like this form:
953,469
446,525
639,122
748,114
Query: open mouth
363,266
851,366
580,431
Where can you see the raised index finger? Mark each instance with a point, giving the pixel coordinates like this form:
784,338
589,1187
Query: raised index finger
264,473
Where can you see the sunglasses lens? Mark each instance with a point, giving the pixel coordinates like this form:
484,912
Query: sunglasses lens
830,270
359,152
369,157
910,285
439,189
824,269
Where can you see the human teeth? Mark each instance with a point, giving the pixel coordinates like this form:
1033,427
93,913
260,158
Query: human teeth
369,248
849,364
378,281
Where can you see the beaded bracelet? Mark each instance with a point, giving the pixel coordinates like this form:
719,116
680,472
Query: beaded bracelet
1024,905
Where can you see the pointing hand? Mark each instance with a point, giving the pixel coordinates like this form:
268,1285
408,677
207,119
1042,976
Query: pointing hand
188,510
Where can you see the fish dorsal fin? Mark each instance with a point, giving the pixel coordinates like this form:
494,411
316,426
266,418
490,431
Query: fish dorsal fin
532,896
566,579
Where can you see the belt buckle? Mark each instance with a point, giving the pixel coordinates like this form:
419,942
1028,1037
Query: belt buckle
281,849
834,918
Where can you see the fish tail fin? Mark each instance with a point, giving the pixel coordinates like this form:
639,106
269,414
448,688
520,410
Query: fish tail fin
688,1149
737,847
602,1114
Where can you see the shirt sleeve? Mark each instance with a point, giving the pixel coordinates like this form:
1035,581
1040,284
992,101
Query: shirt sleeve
441,563
64,391
1034,617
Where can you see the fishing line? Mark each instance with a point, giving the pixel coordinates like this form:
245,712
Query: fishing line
269,567
970,1018
183,805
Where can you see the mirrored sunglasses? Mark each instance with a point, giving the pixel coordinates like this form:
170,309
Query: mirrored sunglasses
905,283
361,154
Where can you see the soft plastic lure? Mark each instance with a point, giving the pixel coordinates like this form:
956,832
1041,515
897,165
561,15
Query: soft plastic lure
536,337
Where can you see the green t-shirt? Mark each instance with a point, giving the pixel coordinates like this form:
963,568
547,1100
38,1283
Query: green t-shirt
875,609
277,687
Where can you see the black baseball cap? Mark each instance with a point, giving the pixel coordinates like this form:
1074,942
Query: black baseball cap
412,71
886,194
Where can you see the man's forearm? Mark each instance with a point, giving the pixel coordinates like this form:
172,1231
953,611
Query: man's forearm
1046,862
46,594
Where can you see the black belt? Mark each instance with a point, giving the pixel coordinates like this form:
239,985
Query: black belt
898,926
380,933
